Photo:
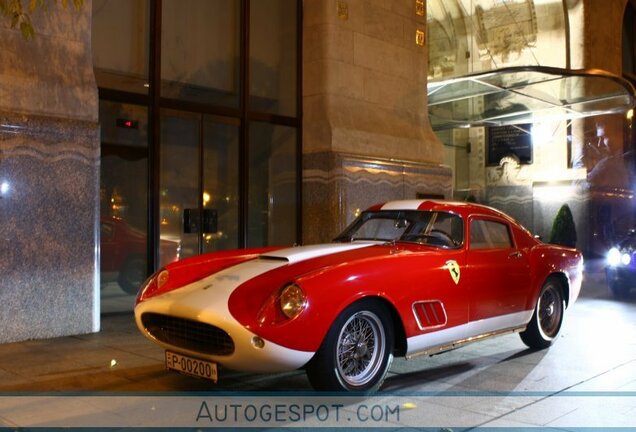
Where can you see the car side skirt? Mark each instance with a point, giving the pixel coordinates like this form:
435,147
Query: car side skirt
455,337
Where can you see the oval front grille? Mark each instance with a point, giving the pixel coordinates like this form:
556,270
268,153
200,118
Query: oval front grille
188,334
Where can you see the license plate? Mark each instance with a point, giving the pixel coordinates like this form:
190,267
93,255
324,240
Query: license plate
191,366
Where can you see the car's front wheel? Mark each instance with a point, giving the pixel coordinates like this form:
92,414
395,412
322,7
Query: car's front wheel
132,274
357,352
547,317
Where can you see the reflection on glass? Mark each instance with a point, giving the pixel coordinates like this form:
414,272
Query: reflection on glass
179,182
273,41
200,51
468,36
197,152
120,44
123,201
272,185
220,185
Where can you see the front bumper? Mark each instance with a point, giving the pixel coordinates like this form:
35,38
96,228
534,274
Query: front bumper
206,301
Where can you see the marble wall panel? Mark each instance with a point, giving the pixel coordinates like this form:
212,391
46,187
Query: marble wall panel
49,200
515,201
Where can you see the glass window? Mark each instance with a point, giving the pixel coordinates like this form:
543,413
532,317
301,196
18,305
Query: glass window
179,183
485,234
424,227
220,184
197,152
380,229
273,39
123,202
272,198
200,51
120,44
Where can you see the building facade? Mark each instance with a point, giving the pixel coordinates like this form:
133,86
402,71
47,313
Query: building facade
137,132
533,169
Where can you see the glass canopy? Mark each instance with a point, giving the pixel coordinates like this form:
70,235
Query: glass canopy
525,95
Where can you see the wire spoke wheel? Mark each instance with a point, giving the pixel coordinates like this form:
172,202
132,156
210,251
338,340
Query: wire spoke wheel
360,348
356,352
550,311
547,318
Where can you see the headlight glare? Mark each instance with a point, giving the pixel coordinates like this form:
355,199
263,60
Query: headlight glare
614,257
292,301
626,259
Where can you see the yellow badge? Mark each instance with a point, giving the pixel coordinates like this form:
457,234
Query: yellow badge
453,269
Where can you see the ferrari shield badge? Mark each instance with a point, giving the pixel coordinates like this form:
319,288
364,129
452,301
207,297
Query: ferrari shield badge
453,269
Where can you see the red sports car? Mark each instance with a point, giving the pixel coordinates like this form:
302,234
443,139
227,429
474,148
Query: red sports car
406,278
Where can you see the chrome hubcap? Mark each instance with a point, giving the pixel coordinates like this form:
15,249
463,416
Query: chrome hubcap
549,312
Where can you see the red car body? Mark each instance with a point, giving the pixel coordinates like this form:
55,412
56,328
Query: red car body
457,273
123,252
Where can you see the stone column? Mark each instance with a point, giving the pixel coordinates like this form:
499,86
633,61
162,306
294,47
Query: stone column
366,136
49,178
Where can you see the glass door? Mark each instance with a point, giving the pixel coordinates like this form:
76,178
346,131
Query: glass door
123,203
199,177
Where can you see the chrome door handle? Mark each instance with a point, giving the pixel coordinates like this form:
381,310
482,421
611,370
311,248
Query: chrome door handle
515,254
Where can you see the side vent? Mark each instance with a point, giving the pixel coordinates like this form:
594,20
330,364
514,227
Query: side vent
272,258
430,314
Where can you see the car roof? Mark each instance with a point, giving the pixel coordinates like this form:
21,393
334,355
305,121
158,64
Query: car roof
461,208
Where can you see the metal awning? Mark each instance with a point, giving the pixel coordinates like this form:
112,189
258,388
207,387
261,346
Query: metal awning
529,94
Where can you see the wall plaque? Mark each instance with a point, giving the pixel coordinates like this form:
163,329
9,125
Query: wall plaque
509,140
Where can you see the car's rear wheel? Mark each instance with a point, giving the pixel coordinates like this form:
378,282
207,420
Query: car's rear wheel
547,318
357,352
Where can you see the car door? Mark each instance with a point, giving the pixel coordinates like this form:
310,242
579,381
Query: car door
499,274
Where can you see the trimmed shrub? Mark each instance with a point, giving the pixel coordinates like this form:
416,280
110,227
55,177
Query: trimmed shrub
563,230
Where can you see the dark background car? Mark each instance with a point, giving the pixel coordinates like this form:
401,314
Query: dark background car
621,266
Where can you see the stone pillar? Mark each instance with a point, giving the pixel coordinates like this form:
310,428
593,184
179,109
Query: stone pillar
49,178
366,136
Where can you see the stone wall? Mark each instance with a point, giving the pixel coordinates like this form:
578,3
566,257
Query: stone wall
49,178
364,98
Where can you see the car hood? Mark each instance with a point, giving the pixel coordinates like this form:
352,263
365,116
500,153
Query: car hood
301,253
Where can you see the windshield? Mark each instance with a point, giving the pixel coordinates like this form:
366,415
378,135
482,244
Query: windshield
425,227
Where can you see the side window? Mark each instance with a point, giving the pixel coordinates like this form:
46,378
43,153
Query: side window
485,234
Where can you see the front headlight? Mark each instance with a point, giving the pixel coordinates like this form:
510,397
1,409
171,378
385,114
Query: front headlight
152,285
626,259
282,305
613,257
292,301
